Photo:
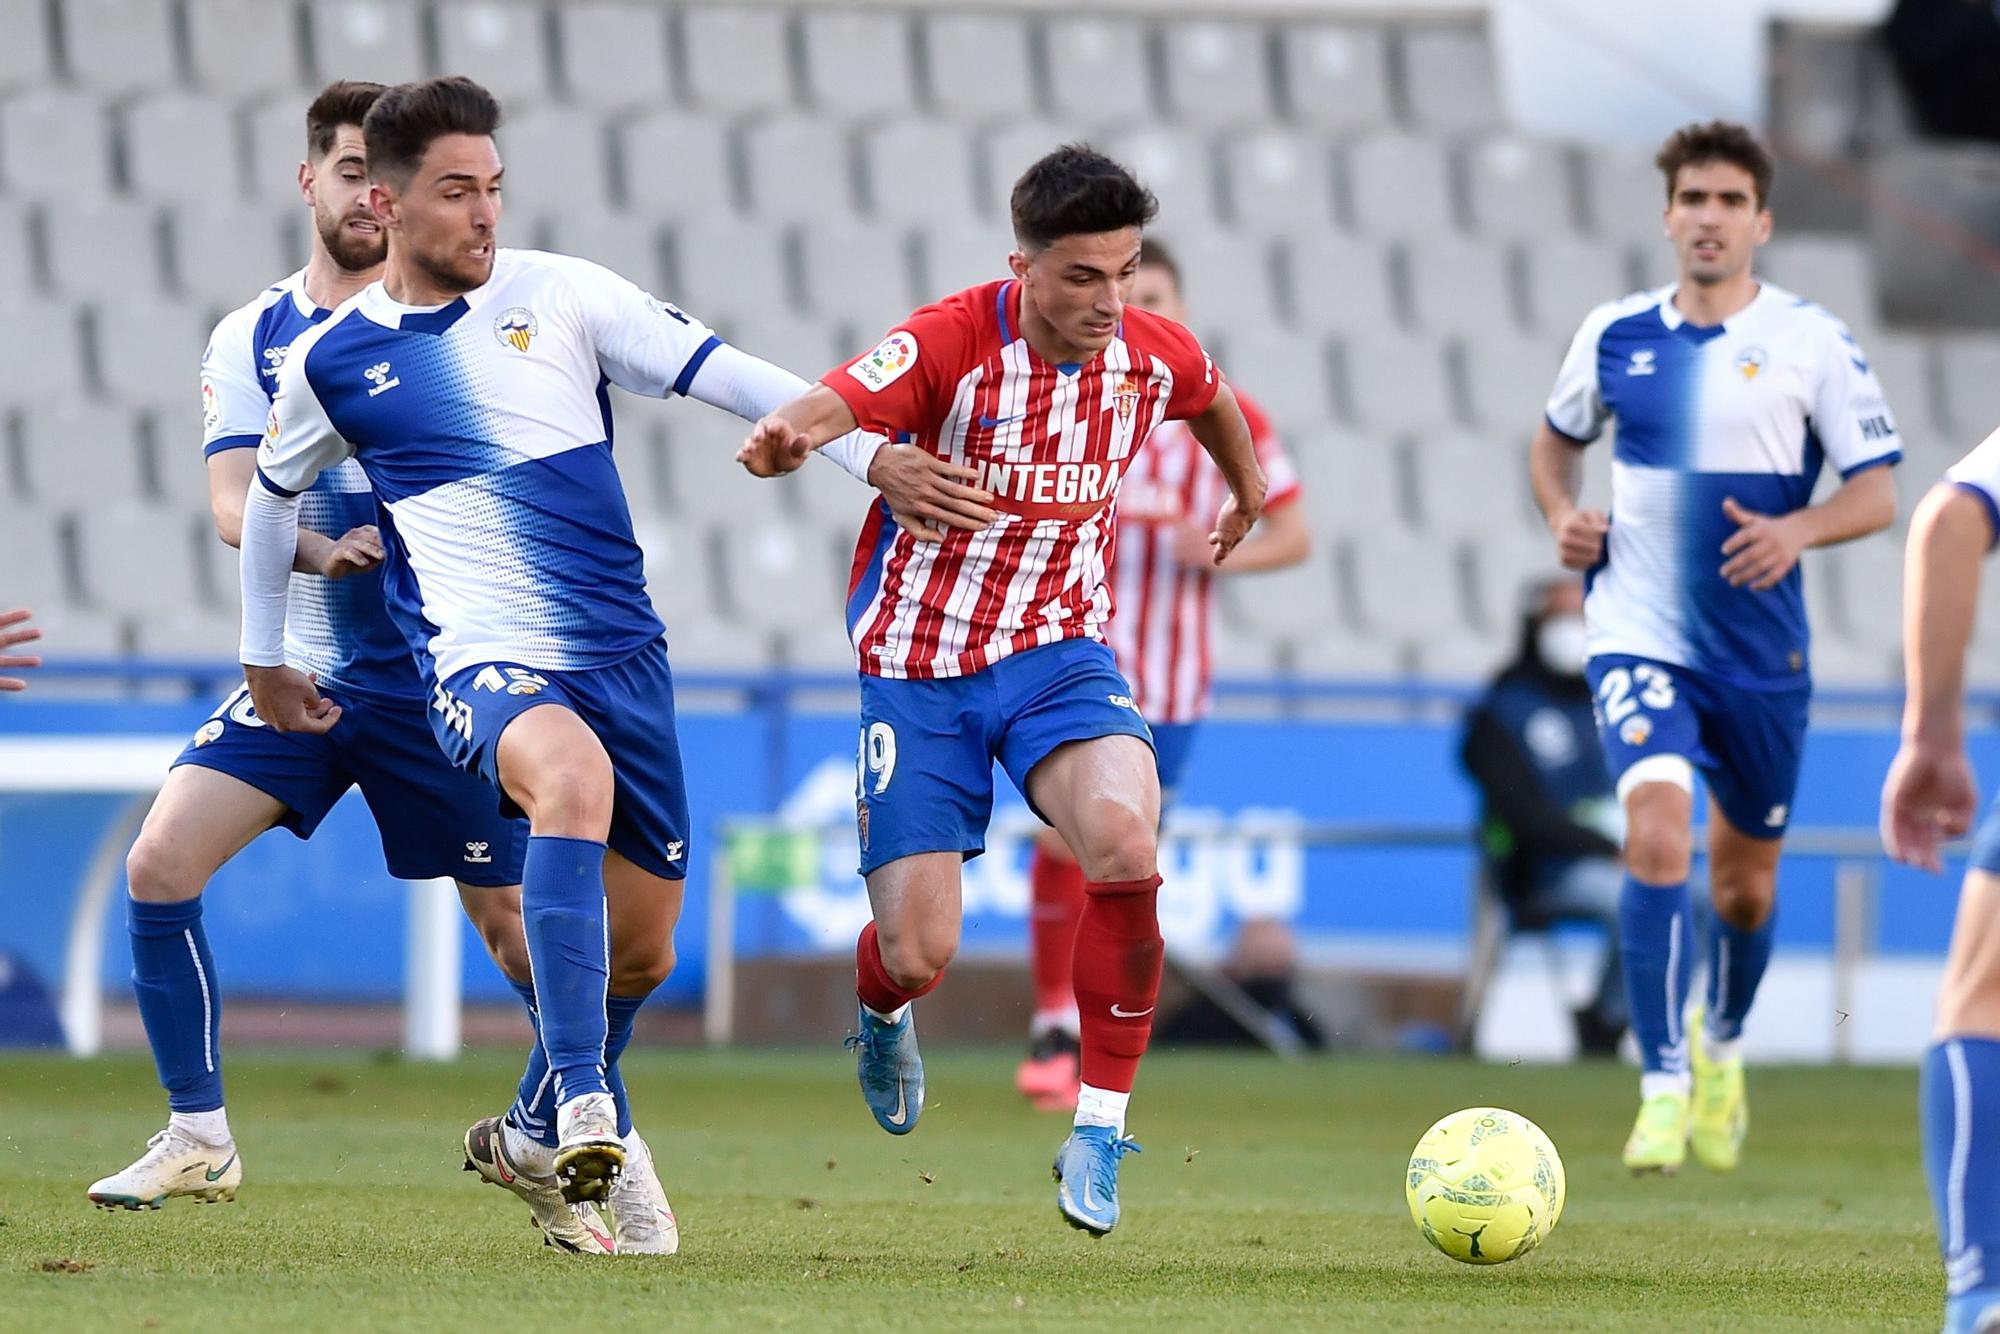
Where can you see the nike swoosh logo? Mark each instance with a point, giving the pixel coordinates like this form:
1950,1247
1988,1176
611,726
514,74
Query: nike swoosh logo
216,1175
988,423
1118,1013
902,1112
1090,1201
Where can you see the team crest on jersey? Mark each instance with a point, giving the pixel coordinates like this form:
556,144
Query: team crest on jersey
211,413
1636,730
209,731
516,327
1749,361
886,364
1126,397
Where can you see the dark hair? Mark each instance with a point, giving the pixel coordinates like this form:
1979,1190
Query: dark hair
1077,191
1154,254
409,117
1717,141
342,102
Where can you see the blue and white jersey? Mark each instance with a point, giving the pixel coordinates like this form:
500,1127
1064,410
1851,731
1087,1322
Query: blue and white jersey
338,628
484,426
1748,409
1978,473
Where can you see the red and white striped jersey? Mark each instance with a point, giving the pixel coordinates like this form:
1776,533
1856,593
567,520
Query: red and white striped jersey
1052,443
1160,631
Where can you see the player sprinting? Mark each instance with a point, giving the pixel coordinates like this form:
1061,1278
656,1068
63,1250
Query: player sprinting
1930,797
1729,394
238,778
468,383
1161,580
990,645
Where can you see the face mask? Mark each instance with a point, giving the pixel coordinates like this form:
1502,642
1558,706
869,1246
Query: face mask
1559,644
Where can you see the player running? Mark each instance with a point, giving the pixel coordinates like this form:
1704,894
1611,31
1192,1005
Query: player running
1161,581
469,383
1929,797
15,631
1729,393
990,645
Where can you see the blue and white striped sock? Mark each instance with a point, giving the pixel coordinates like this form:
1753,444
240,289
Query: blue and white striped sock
563,915
1959,1094
1654,935
180,1001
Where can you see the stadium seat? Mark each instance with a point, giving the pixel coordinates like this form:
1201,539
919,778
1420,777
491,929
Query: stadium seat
613,54
1398,186
1448,78
178,469
1237,655
1351,483
368,39
994,44
706,480
800,170
1287,373
708,646
1396,383
951,259
1565,277
1970,366
1507,380
1097,70
558,162
149,352
1336,77
1012,148
81,454
1276,183
780,576
71,633
32,551
625,243
181,147
1462,287
1504,563
725,268
831,498
113,541
1295,603
18,269
1408,587
1338,284
27,53
115,47
919,172
820,647
1217,73
859,62
1468,485
737,59
52,362
680,569
674,165
1625,197
1178,167
55,143
857,275
1833,272
1519,188
188,634
1342,655
502,44
243,48
111,250
1229,283
805,346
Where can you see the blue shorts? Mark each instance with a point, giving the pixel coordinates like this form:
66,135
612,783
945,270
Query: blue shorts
1746,743
629,705
1172,744
928,747
1986,843
434,820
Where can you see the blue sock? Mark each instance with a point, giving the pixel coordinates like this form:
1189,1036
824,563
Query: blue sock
620,1012
534,1109
1736,963
180,1000
1959,1096
562,910
1654,924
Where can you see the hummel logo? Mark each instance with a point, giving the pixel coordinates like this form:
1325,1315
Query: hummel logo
988,423
674,850
378,375
1642,362
475,852
1118,1013
1777,817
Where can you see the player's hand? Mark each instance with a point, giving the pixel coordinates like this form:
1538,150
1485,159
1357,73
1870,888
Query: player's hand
774,448
1927,799
15,630
1762,550
927,494
289,701
356,551
1232,524
1580,538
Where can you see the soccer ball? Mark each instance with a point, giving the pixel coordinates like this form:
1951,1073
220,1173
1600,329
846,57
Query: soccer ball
1485,1185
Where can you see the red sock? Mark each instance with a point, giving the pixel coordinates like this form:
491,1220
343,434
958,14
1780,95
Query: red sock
1056,884
872,983
1118,958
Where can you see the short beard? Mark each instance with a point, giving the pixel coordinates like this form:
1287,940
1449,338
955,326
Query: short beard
351,253
459,277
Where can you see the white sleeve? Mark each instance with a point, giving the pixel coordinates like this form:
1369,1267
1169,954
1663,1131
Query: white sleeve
234,405
299,439
1850,416
733,380
643,344
1979,474
1576,404
269,543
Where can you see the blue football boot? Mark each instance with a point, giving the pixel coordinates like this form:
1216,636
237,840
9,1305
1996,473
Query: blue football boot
1086,1172
891,1071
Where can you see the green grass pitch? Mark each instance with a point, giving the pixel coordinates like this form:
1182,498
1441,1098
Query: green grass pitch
1269,1197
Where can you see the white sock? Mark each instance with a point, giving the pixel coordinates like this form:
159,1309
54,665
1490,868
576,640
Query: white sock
894,1016
1652,1084
1720,1051
208,1127
1046,1022
1102,1107
528,1153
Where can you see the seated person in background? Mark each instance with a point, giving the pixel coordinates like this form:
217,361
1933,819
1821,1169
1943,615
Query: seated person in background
1548,815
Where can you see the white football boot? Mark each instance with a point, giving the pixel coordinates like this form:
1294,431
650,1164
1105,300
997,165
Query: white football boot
641,1219
175,1164
589,1154
569,1227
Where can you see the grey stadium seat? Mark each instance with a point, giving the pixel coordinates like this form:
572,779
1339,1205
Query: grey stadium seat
1218,73
725,267
799,170
706,480
558,161
55,144
1288,374
367,39
109,250
1471,485
625,243
1566,277
614,55
1228,282
780,576
737,59
187,634
1097,69
47,365
1339,284
1520,188
677,166
1834,272
858,61
1352,483
17,251
1462,287
1398,186
1449,83
1178,167
858,274
134,558
116,47
27,48
32,556
1336,76
710,646
277,132
1504,564
149,352
1409,587
1625,195
1012,148
1276,183
1395,382
180,147
996,46
81,454
680,568
821,645
1297,602
243,47
502,44
179,470
951,259
806,347
1343,655
919,172
1507,380
825,492
1971,376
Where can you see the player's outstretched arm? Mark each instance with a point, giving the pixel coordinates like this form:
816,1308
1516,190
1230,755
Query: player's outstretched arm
15,630
229,475
1225,434
1929,795
785,438
1765,547
1555,471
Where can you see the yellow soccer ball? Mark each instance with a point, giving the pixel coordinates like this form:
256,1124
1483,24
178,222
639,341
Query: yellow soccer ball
1485,1185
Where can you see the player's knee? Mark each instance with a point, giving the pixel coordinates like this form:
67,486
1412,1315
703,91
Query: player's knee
154,874
1659,852
509,950
913,958
571,797
638,970
1120,840
1743,902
